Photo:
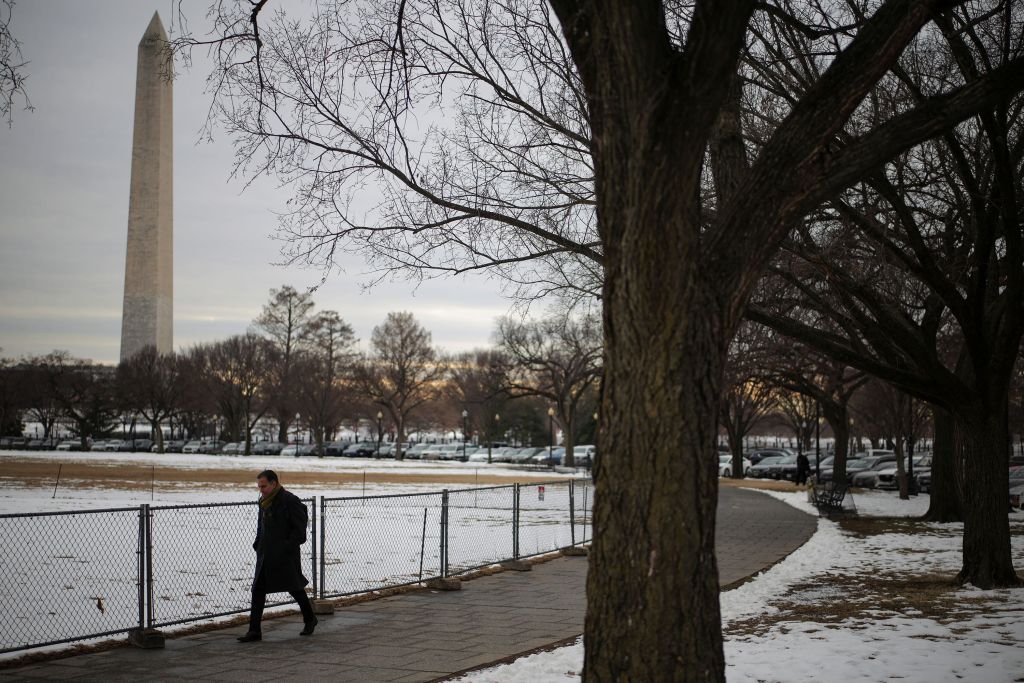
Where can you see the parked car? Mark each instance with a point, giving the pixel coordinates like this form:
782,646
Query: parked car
868,477
1017,487
361,449
416,450
583,456
170,446
755,457
547,457
192,447
725,465
887,479
762,470
454,451
480,455
233,448
924,481
267,448
70,445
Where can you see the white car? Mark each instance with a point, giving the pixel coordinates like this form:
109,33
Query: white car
192,447
725,466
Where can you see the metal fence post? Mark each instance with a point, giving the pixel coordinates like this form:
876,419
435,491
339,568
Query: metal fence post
313,546
444,534
572,513
323,546
142,566
515,522
150,609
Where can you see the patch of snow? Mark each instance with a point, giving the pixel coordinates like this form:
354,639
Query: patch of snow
984,645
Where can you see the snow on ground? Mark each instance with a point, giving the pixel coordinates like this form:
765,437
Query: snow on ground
304,464
795,622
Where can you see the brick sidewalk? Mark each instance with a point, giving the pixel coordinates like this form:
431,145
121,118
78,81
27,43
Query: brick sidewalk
425,635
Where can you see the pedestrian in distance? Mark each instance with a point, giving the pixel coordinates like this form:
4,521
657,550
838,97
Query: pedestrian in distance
280,532
803,468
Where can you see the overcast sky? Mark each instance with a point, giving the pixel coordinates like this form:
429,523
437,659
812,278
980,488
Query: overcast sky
64,176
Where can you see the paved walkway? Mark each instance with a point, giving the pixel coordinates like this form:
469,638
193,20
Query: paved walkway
427,635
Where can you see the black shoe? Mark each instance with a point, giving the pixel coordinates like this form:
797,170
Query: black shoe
251,636
309,626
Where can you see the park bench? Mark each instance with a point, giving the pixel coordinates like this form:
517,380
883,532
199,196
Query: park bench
829,497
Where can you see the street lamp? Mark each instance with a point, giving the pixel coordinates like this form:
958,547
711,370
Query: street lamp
380,432
817,442
465,428
851,438
490,442
297,416
551,431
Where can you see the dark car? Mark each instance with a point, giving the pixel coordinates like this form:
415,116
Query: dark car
852,466
784,469
762,470
760,454
266,448
362,449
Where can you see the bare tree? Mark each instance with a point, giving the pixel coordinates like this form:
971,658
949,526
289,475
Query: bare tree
477,384
152,384
327,366
921,267
402,372
335,102
283,319
556,359
746,397
85,393
12,397
12,66
237,370
38,384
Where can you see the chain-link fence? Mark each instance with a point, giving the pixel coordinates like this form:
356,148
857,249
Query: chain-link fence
379,542
77,575
202,561
68,576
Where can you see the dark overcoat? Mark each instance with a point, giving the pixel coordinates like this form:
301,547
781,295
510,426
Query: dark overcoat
280,532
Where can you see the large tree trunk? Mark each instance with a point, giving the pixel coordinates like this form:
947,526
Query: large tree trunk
943,497
980,447
837,421
653,612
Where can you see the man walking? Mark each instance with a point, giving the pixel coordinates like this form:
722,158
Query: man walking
280,531
803,468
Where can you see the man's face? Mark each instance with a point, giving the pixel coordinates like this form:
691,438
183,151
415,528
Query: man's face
265,486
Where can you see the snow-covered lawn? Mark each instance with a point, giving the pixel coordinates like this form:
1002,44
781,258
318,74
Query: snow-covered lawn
860,601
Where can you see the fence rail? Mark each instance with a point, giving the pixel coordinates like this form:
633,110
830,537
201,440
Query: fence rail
78,575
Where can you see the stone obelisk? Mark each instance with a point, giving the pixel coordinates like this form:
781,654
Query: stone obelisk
147,316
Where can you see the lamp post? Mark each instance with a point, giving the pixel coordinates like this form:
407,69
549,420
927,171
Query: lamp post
551,431
817,442
380,432
800,437
465,428
851,438
297,416
490,442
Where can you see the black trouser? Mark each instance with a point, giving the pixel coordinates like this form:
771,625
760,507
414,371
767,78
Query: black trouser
259,601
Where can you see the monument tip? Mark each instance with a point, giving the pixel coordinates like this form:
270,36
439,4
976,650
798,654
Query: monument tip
155,29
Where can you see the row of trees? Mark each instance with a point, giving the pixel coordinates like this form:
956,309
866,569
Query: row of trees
300,364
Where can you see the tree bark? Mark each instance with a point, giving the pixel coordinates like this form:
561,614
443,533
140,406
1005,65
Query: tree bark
944,500
840,430
980,453
653,611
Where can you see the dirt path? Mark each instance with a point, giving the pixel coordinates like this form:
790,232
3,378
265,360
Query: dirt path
130,476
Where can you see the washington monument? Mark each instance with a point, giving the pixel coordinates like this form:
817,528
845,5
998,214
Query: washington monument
147,317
